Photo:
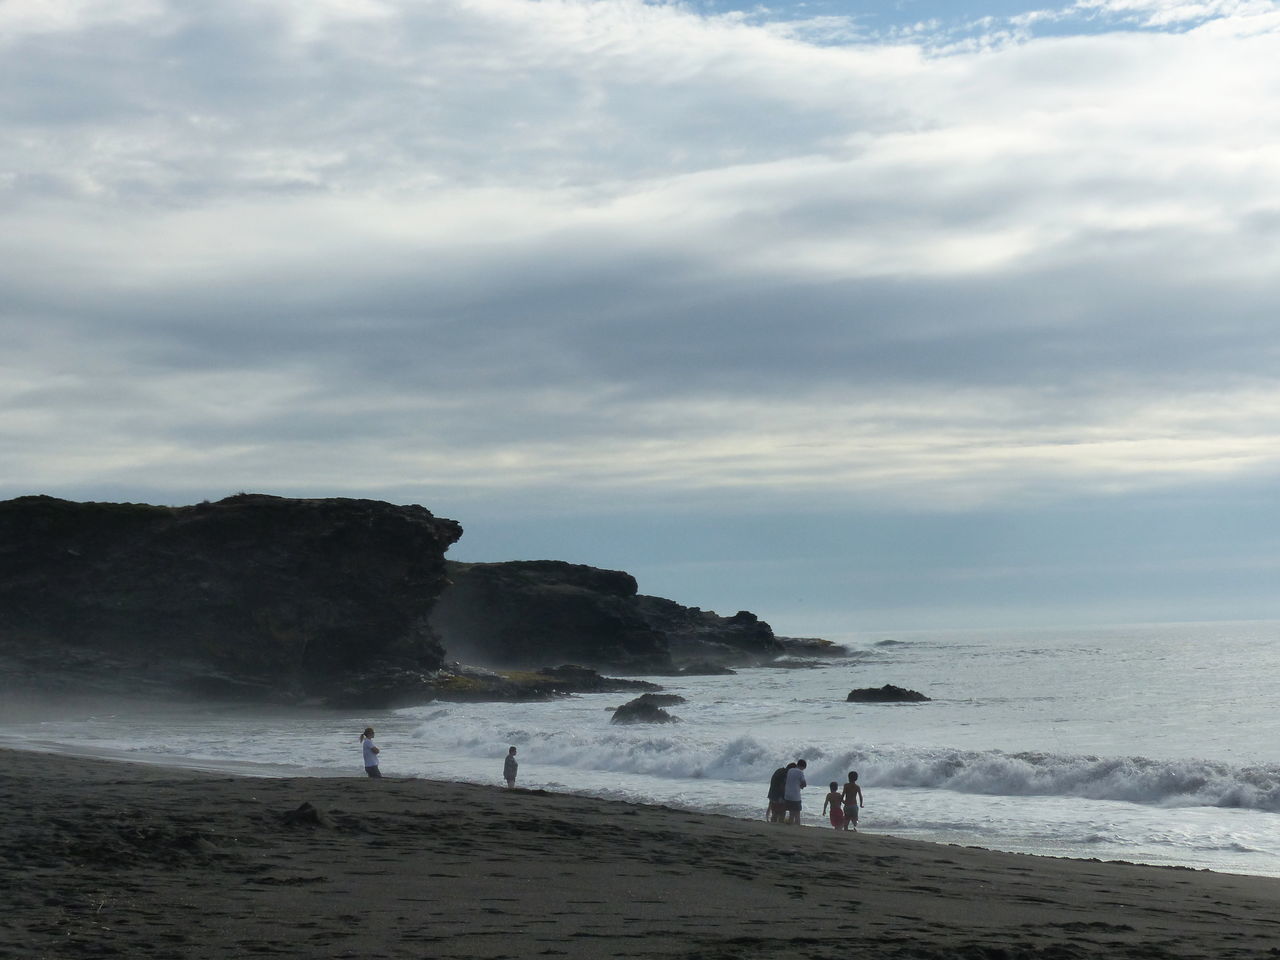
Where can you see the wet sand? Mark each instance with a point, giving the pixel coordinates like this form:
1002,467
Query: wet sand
100,858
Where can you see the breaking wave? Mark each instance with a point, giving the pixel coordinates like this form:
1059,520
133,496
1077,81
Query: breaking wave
670,754
1131,779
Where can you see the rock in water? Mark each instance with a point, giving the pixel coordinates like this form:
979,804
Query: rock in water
886,694
644,709
657,700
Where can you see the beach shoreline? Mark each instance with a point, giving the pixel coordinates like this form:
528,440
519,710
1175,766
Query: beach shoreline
112,858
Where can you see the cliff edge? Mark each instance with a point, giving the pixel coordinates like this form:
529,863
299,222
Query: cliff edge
341,602
260,596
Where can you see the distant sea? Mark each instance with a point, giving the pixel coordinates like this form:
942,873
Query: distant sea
1151,743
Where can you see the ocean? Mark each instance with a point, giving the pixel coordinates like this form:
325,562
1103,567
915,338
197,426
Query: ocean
1149,743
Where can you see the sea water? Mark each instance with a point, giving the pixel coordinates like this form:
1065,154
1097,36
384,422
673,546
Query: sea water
1153,743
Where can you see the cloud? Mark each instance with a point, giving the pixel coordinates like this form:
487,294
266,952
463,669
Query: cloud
495,245
1169,13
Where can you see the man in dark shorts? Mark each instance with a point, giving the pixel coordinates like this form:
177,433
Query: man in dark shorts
791,794
777,787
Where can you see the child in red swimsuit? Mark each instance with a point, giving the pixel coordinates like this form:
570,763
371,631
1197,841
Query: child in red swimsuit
833,801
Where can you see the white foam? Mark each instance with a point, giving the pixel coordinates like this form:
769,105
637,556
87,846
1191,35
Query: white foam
681,751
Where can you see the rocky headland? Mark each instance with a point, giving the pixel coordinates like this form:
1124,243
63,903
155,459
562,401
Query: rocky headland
334,601
517,612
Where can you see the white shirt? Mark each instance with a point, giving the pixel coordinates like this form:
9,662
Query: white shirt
370,758
795,783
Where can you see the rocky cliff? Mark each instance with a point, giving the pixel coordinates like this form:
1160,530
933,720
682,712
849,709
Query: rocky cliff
538,611
254,595
337,601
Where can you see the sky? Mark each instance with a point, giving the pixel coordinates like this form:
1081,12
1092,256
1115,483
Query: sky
858,315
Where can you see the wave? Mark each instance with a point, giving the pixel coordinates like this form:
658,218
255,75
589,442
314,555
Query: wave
1131,779
675,755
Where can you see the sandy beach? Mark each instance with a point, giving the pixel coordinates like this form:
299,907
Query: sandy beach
101,858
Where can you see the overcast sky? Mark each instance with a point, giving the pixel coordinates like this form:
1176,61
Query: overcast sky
859,315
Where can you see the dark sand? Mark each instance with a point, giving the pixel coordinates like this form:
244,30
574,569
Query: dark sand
99,858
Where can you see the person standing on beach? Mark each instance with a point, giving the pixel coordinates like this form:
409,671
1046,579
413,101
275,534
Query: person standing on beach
509,768
370,753
852,796
791,794
777,787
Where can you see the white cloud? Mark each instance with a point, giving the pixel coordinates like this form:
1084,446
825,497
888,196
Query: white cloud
1165,13
608,245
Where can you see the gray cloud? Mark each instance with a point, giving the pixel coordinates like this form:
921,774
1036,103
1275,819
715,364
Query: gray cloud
508,248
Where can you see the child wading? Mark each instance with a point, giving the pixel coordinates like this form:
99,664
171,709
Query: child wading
833,801
852,795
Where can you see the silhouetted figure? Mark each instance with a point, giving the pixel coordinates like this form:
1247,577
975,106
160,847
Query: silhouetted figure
509,768
852,796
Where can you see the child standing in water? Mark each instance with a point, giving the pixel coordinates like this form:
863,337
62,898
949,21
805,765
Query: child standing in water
509,768
852,795
833,801
370,753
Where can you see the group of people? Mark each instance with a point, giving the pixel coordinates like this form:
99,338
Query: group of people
785,786
509,765
841,803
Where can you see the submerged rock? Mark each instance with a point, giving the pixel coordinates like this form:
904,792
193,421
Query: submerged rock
886,694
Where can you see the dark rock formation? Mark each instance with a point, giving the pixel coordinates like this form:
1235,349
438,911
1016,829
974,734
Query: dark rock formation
526,613
647,708
659,699
694,635
530,612
886,694
256,596
337,601
534,611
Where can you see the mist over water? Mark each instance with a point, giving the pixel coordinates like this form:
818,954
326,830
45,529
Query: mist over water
1150,743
